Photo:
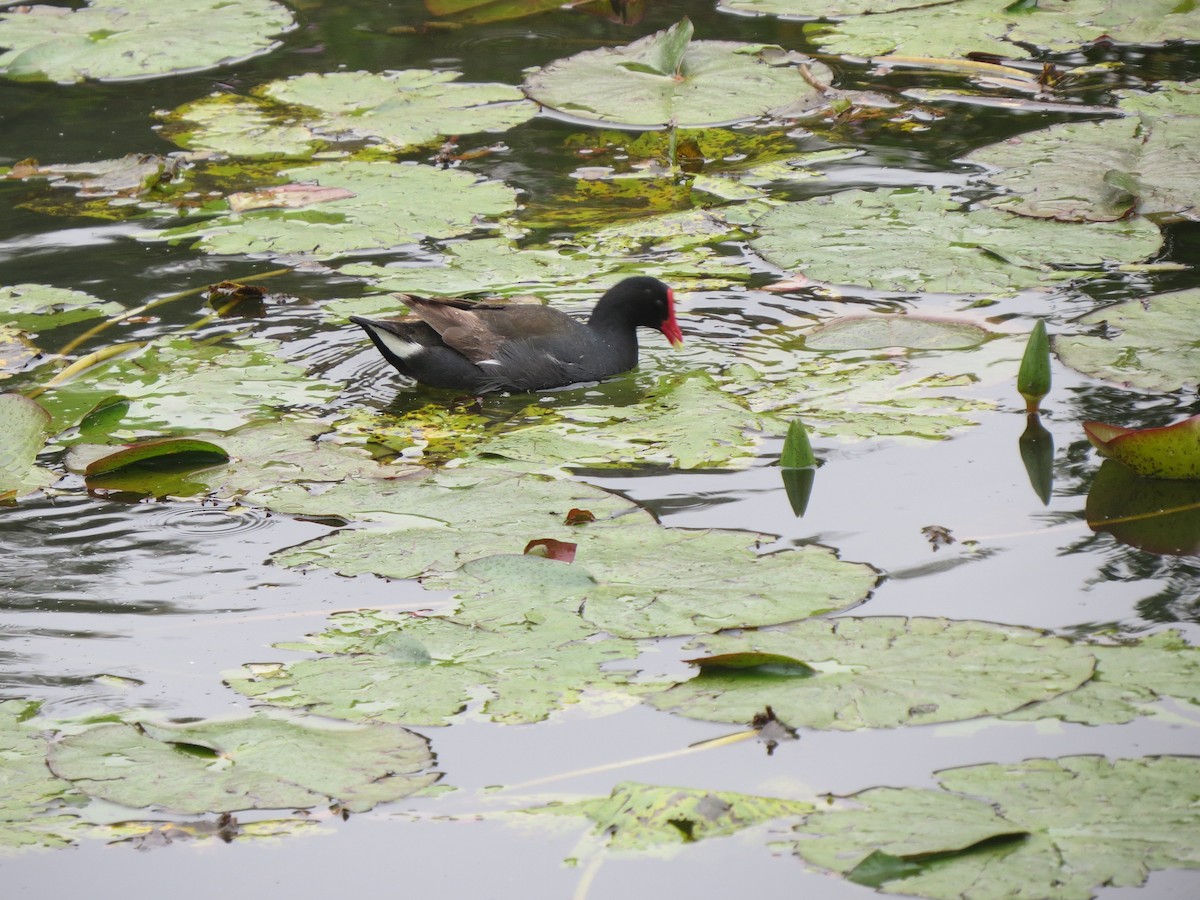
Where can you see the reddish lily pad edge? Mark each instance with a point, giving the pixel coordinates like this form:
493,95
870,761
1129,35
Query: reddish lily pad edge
1172,451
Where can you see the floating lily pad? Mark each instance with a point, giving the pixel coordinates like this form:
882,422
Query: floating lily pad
387,205
817,9
884,672
262,761
1148,343
667,79
113,40
424,670
877,332
1100,171
38,307
191,452
1130,679
912,239
32,796
641,817
21,439
178,384
17,352
240,126
1169,452
1074,824
1009,30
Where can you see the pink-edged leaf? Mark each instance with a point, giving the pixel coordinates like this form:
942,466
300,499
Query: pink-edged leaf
1172,451
563,551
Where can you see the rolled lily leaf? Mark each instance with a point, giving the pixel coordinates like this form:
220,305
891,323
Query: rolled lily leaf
1033,379
180,453
1169,452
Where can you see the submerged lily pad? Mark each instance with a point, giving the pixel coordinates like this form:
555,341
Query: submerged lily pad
38,307
1100,171
1008,30
377,205
913,239
667,79
424,670
883,672
112,40
639,817
1148,343
877,332
1078,823
1158,515
262,761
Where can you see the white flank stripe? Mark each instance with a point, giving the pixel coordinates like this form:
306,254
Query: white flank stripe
398,345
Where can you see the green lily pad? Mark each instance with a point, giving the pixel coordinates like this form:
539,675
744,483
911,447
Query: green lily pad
262,761
190,452
178,384
1148,343
242,126
24,433
817,9
113,40
424,670
374,206
30,803
1075,824
16,352
1100,171
877,332
1007,30
913,239
667,79
1169,452
39,307
640,817
884,672
1130,679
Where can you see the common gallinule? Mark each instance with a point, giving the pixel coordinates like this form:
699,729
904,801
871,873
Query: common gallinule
481,347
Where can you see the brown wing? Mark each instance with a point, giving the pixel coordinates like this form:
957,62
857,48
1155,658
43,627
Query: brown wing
478,331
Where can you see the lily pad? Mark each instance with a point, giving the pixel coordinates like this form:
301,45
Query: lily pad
262,761
667,79
1100,171
1148,343
192,452
39,307
240,126
877,332
1007,30
1169,452
883,672
30,804
385,205
21,439
178,384
1082,823
114,40
640,817
424,670
1158,515
1130,679
913,239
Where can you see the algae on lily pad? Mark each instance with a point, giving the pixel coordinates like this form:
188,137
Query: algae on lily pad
355,207
1008,30
915,239
260,761
1074,825
38,307
882,672
1100,171
113,40
667,79
32,798
423,670
178,384
1149,343
640,817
